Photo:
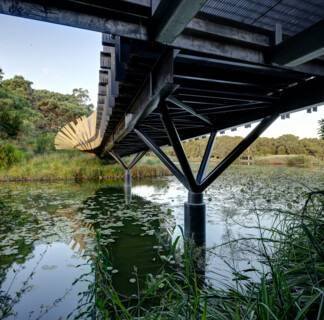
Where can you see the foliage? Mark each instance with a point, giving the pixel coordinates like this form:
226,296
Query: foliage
10,155
321,128
74,165
44,144
21,87
287,144
59,109
290,285
30,118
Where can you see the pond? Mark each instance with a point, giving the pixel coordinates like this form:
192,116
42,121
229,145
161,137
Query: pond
47,232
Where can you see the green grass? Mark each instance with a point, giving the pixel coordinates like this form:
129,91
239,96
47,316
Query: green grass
75,165
286,160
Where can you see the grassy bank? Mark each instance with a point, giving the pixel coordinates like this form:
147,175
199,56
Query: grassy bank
287,160
75,165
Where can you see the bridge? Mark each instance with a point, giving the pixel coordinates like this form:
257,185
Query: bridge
172,70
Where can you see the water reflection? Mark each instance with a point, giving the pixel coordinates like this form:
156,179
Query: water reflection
128,195
57,230
62,217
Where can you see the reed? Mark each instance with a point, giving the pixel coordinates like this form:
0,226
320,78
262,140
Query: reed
290,286
75,165
287,160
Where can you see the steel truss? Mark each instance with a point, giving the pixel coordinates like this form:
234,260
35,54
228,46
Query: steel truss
127,175
195,208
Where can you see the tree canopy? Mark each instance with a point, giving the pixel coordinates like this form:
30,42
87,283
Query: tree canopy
285,145
321,128
32,117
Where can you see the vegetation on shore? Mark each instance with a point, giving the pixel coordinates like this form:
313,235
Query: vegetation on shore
76,165
29,120
288,144
290,284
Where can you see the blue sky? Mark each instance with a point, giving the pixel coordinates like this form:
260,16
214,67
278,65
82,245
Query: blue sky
60,58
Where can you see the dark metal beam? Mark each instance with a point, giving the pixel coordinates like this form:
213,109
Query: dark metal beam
157,86
171,17
236,44
177,146
118,159
162,156
61,13
206,157
230,32
256,132
192,92
303,47
137,158
189,109
307,94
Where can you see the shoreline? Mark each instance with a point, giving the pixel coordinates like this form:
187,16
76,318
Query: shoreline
61,167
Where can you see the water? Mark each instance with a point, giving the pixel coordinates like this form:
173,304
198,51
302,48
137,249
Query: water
47,231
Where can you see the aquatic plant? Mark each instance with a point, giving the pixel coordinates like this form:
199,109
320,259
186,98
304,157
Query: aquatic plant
290,285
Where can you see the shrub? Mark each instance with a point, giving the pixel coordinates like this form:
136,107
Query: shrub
44,144
9,155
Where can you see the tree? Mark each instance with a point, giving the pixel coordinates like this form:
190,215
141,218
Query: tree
321,128
59,109
22,87
1,75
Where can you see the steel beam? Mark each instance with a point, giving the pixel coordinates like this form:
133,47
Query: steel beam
256,132
118,159
308,94
232,33
137,158
157,86
203,36
171,17
177,146
189,109
76,16
162,156
303,47
206,157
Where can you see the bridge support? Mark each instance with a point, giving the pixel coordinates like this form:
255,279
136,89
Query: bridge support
195,208
195,218
127,174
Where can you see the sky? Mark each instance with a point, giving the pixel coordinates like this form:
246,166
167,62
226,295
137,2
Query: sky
59,58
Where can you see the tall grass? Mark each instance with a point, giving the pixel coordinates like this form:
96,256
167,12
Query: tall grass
75,165
286,160
290,286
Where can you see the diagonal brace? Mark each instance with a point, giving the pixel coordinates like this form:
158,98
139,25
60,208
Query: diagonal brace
188,109
177,146
206,157
137,158
118,159
254,134
162,156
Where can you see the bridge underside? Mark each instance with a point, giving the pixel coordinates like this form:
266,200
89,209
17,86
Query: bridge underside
172,70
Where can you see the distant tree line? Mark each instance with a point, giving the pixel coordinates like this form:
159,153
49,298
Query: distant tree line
287,144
